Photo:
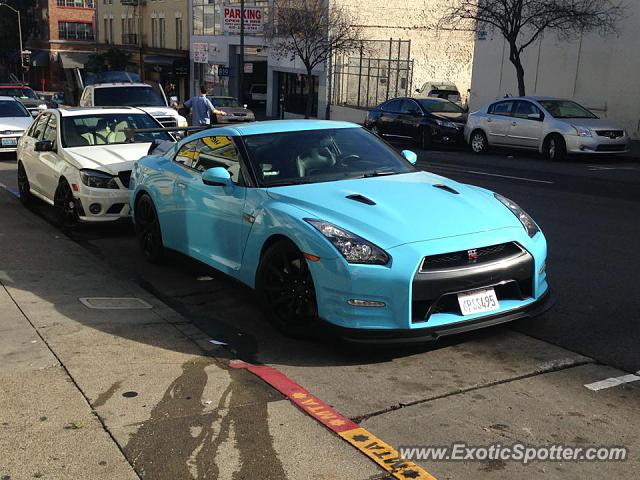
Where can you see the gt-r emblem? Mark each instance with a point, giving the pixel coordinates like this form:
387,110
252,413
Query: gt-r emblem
472,255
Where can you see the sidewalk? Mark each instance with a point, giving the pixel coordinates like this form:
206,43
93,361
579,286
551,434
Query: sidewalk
131,392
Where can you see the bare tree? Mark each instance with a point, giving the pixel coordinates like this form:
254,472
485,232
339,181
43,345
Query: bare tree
522,22
312,31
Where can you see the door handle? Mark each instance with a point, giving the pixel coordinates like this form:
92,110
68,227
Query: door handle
489,120
181,185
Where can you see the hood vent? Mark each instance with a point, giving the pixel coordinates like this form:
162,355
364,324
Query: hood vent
446,188
360,198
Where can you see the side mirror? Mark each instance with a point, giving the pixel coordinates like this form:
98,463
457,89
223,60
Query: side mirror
409,156
534,116
216,177
44,146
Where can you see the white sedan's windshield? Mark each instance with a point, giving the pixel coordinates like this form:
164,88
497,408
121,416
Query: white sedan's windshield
108,129
293,158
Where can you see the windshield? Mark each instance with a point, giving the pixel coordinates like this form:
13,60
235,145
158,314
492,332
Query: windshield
12,109
224,102
128,97
565,109
292,158
439,106
108,129
19,92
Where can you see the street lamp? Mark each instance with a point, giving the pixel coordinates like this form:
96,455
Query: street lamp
19,34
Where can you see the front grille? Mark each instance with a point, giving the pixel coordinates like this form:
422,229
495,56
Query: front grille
125,177
472,257
611,148
11,132
610,133
115,208
167,122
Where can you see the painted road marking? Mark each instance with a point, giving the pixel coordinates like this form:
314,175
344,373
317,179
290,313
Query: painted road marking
511,177
613,382
380,452
13,192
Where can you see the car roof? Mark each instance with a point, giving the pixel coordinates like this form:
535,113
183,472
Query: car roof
78,111
119,84
275,126
527,97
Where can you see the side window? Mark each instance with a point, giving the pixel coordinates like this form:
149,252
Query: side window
51,132
38,127
524,109
187,153
409,106
392,106
501,108
218,151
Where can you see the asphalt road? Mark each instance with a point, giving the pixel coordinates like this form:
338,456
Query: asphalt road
524,376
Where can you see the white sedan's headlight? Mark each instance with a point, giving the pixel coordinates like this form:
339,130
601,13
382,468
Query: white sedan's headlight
527,222
97,179
182,122
583,131
352,247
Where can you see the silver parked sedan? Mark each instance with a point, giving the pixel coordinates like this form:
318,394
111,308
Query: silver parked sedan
554,127
234,111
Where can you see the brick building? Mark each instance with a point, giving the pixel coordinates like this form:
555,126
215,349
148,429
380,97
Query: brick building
62,40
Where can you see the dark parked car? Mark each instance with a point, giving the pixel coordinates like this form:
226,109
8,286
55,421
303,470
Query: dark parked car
425,120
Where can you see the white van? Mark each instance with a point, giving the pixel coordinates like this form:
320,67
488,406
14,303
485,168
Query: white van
446,90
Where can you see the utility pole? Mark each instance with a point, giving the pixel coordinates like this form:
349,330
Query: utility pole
241,66
19,36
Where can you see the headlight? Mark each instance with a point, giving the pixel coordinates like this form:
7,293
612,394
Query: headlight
582,131
526,221
445,123
96,179
353,248
42,107
182,122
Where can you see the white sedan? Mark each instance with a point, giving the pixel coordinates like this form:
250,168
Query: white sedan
79,160
14,120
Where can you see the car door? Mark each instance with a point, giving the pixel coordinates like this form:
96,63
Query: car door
389,112
36,170
408,123
526,125
215,216
49,162
497,122
27,152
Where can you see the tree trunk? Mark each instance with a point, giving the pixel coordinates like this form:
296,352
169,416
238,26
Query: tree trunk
514,57
310,86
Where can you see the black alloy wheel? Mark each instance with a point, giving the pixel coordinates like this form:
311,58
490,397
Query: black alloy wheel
23,185
148,229
65,205
285,287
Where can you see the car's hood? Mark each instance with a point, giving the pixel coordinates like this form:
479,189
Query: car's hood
14,123
408,207
594,123
234,110
452,117
159,111
108,158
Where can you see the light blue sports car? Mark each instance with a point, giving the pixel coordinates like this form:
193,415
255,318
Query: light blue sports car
332,226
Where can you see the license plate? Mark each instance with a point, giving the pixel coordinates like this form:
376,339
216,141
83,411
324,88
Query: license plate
478,301
9,142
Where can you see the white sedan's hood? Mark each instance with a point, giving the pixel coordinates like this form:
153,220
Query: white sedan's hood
108,158
14,123
160,111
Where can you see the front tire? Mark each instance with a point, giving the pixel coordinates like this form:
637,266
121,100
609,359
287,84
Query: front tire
24,188
148,229
478,142
555,148
285,287
65,205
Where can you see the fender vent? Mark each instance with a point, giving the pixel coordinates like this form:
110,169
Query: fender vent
447,188
361,198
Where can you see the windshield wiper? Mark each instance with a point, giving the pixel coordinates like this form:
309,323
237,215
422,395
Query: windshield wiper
378,173
286,183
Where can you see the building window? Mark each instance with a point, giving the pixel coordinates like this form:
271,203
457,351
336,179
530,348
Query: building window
107,39
178,33
161,32
76,3
129,36
154,32
111,30
75,31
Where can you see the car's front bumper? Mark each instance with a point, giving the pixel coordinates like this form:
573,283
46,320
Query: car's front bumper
114,204
447,135
596,145
405,296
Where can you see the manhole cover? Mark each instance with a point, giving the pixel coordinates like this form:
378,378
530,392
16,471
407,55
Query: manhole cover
114,303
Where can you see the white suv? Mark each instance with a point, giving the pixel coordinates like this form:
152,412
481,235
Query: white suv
141,95
80,159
